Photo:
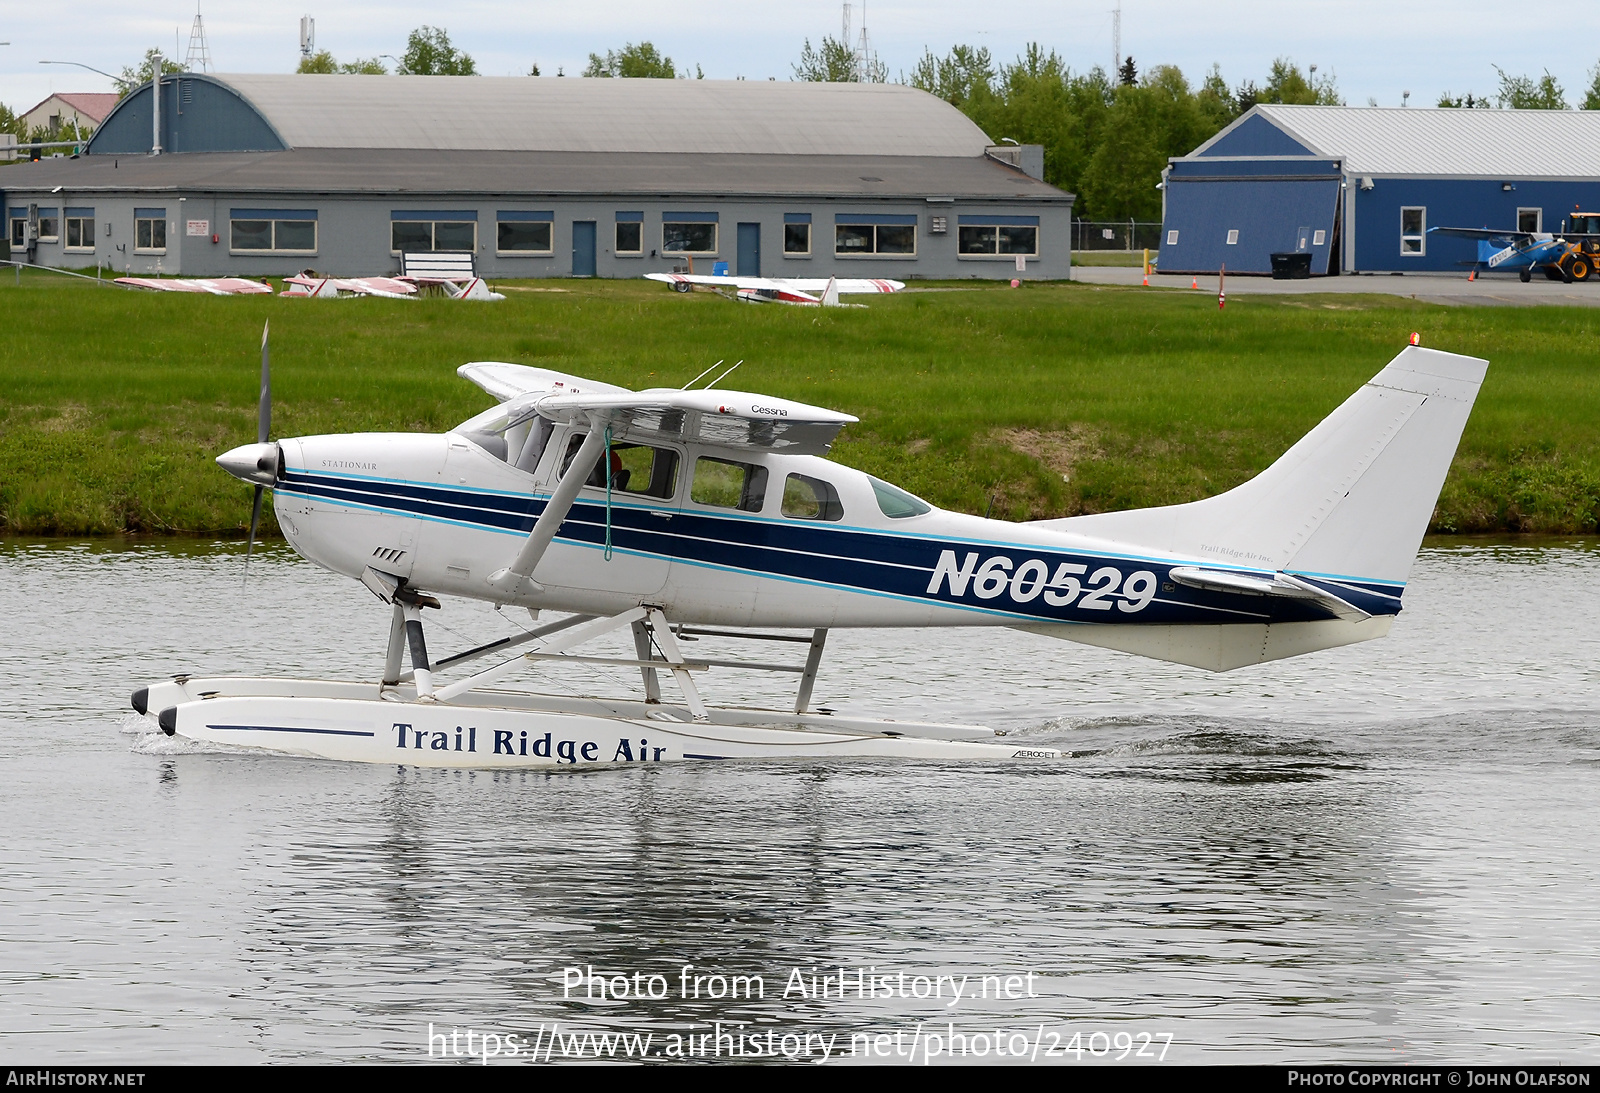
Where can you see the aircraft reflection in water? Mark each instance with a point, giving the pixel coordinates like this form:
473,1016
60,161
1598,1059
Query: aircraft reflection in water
696,514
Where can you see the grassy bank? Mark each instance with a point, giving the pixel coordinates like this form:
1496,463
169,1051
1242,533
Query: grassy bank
1045,401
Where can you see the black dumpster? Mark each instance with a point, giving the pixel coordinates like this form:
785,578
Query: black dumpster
1291,266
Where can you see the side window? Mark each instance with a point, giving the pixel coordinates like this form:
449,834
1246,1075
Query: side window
728,485
810,499
635,468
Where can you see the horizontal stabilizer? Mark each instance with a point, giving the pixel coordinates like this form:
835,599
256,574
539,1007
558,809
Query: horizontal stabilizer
1285,585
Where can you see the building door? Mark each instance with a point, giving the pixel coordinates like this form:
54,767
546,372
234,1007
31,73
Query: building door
583,236
749,250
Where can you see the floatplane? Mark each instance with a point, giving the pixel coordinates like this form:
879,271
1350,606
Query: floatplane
681,516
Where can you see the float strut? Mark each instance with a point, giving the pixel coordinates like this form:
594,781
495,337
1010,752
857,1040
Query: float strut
808,677
641,647
669,648
397,644
419,651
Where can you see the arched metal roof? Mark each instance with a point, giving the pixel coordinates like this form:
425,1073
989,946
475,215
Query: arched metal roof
546,114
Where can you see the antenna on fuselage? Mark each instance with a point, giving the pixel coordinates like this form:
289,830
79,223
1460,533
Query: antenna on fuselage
722,377
697,379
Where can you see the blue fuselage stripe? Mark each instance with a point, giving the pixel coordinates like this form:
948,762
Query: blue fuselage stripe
896,564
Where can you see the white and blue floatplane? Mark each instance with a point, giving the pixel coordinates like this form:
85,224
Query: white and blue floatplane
687,514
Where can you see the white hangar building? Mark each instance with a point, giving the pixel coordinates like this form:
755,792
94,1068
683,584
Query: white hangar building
539,177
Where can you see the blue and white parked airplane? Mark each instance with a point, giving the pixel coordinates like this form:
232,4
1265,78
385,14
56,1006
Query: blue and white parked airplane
1506,251
684,514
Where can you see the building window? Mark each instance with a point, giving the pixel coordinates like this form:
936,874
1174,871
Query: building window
272,231
630,233
19,228
689,233
80,229
150,231
874,234
521,232
49,225
1530,220
1319,237
797,234
1413,229
433,231
1009,235
1172,238
1233,237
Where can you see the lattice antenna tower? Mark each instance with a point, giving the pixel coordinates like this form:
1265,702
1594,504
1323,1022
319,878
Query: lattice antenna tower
864,59
199,58
1116,41
844,39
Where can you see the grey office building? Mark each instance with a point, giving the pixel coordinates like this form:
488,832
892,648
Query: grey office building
539,177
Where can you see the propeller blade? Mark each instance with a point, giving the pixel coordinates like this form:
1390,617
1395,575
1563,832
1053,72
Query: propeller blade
264,411
255,521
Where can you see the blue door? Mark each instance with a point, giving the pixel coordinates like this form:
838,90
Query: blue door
749,250
583,248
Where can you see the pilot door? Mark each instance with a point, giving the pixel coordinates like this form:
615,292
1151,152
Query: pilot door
623,547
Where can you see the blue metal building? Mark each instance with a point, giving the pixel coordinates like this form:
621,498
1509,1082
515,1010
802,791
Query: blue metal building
1358,187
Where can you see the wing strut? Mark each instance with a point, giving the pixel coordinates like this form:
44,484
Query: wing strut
517,577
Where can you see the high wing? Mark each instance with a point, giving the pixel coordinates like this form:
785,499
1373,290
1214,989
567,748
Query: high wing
729,419
509,381
846,285
216,286
1508,234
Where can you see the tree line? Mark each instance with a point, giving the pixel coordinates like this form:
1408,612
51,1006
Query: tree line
1106,137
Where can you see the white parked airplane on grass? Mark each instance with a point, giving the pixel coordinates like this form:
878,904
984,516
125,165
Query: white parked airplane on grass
805,291
684,514
216,286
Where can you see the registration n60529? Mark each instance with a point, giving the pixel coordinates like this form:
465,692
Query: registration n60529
1060,585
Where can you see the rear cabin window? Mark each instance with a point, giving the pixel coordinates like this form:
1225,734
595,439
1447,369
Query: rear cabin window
806,498
896,503
724,484
635,468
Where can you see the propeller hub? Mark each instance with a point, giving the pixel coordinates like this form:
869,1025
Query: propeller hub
257,463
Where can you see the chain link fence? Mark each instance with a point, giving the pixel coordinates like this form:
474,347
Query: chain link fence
1125,235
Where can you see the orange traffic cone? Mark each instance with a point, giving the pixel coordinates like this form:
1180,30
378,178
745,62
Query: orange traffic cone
1195,283
1222,295
1473,276
1147,279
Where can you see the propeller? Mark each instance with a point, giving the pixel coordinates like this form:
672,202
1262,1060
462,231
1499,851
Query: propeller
257,463
263,427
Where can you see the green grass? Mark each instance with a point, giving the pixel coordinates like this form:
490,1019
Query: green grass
1045,401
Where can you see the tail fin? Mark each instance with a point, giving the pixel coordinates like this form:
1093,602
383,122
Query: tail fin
1346,505
830,295
1350,501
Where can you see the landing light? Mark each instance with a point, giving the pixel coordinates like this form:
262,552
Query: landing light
1416,338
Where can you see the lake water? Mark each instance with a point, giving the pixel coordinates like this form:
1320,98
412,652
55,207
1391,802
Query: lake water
1385,853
